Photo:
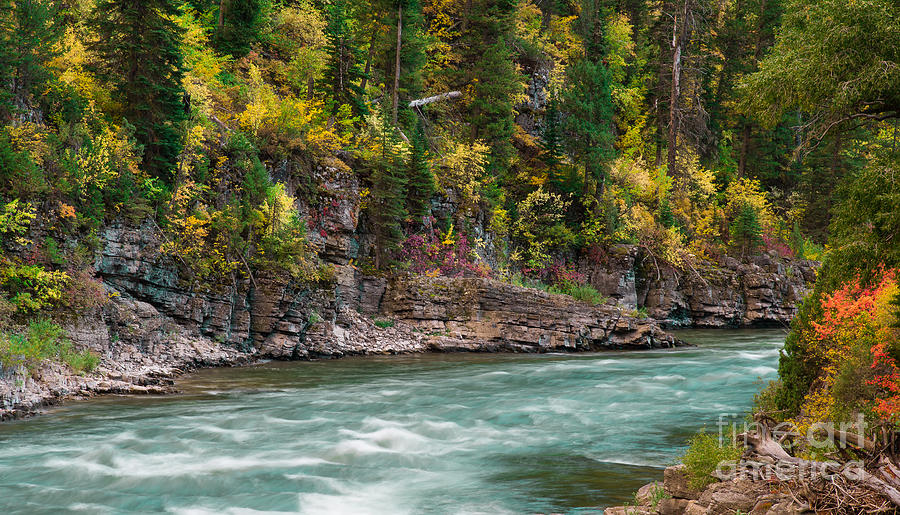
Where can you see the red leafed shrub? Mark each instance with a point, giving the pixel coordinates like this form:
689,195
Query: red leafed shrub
437,254
857,341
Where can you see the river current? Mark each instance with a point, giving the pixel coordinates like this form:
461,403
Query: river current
428,434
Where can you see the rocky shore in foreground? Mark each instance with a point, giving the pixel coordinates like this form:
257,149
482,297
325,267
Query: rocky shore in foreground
674,496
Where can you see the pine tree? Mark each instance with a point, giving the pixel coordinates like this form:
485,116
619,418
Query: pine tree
420,185
238,27
746,230
387,207
552,137
342,76
589,116
29,31
138,48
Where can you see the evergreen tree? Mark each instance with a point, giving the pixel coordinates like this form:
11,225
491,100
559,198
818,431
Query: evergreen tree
342,75
589,115
496,81
587,101
388,205
138,48
407,54
552,137
746,230
29,30
420,186
7,56
497,84
666,215
238,27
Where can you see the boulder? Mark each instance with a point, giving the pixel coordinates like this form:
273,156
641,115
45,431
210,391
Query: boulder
677,484
646,493
672,506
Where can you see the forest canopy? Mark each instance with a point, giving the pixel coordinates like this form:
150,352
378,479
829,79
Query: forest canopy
691,128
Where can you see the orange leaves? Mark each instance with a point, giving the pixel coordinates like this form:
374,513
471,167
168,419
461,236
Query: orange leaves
855,315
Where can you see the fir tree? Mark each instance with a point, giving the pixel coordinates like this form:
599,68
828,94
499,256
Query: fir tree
552,138
746,230
29,31
495,80
587,101
7,56
138,48
589,115
238,28
420,186
497,84
388,205
666,215
342,76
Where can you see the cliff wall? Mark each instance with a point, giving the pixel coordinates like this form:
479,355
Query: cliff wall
157,325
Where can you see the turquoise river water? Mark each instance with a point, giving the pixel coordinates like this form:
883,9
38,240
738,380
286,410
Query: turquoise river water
429,434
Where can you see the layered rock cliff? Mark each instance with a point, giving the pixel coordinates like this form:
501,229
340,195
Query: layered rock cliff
759,291
157,324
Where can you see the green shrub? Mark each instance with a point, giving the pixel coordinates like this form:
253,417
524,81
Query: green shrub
581,292
43,340
587,293
32,288
765,401
82,362
703,457
384,324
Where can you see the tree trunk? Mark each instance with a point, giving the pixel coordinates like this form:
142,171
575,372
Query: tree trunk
436,98
222,7
396,92
836,154
371,56
678,34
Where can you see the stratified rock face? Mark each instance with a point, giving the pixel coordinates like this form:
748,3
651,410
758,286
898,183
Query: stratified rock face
762,291
485,315
130,264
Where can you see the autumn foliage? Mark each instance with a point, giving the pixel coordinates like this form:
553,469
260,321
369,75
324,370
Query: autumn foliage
858,342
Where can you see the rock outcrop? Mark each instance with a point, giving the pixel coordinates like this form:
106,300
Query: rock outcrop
484,315
760,291
738,495
157,326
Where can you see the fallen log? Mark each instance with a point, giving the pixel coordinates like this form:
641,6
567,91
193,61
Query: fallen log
886,483
436,98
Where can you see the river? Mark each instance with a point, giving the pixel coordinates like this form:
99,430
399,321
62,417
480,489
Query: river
426,434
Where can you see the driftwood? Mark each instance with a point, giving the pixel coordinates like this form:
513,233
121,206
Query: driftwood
437,98
839,483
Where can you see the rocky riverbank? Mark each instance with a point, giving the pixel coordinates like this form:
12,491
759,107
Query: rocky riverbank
157,324
144,347
674,496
